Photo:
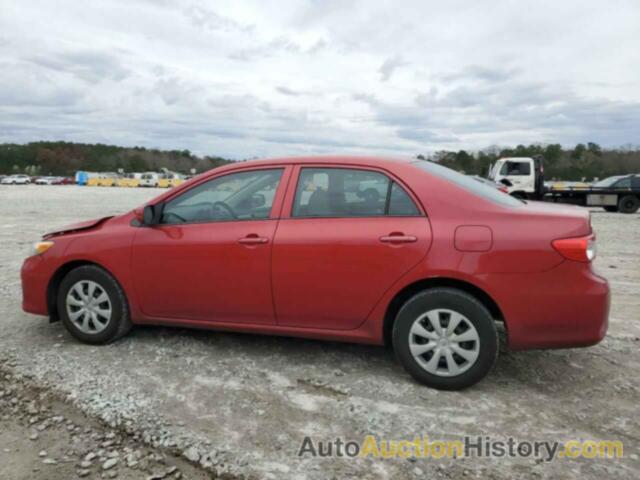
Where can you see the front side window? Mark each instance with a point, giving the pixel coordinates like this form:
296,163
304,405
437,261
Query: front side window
342,192
237,196
516,168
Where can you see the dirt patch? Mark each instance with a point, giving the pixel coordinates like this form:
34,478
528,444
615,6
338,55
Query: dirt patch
44,437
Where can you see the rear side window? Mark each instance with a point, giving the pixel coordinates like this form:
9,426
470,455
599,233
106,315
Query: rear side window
624,183
469,184
342,192
400,204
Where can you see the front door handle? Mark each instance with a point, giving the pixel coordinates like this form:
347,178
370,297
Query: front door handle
253,239
398,238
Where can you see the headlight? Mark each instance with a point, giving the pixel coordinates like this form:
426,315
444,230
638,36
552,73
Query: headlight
40,247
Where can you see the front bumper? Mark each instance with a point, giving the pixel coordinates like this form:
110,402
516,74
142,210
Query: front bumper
565,307
34,286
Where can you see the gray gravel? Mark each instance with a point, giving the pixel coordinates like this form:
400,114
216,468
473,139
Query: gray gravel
242,404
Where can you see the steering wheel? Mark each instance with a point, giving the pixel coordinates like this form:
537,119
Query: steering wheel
225,207
171,214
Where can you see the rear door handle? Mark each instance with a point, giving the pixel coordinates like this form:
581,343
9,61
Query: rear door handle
398,238
253,239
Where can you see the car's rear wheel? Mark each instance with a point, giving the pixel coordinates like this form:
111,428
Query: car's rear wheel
445,338
629,204
92,305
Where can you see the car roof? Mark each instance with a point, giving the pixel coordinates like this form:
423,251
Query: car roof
368,160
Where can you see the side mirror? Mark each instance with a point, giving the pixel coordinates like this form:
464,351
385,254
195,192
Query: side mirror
148,215
151,214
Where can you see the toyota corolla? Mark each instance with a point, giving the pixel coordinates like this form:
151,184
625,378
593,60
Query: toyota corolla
356,249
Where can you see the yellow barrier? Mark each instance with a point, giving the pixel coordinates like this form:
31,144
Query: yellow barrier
128,182
131,182
170,182
106,182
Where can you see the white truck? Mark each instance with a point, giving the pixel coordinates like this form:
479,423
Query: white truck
523,176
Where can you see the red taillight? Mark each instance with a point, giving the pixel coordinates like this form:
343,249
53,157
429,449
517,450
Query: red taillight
580,249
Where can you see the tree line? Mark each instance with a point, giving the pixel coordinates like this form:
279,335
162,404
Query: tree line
66,158
584,161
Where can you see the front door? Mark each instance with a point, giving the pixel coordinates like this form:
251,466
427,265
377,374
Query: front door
350,235
209,259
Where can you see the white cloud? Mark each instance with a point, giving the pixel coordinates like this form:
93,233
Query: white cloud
278,77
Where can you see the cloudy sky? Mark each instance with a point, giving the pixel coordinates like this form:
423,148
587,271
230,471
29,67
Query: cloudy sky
277,77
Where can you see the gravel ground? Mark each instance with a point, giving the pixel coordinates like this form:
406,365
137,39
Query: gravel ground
240,405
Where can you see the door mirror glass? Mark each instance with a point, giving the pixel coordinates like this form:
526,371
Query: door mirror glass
149,215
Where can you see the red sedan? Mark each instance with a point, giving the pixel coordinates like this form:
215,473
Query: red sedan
358,249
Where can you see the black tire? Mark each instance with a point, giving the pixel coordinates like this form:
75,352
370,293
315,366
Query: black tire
628,204
466,305
610,208
119,323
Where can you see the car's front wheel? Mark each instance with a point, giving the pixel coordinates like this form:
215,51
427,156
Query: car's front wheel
92,305
445,338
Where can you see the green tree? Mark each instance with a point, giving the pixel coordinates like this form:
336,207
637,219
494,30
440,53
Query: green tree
578,151
594,148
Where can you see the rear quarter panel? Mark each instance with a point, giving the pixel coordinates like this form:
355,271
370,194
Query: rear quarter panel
520,256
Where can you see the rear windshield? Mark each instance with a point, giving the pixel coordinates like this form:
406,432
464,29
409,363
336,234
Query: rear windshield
469,184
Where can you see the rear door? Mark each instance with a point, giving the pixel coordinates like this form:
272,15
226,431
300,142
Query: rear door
346,235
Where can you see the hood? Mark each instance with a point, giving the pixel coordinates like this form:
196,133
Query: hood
77,227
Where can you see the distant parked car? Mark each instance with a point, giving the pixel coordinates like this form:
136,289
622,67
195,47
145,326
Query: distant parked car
290,247
150,179
16,180
64,181
45,181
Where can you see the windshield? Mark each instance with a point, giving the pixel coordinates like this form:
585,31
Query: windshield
494,171
469,184
608,182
